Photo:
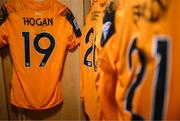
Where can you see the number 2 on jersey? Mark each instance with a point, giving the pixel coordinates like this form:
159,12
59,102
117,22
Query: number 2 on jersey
47,52
89,50
137,82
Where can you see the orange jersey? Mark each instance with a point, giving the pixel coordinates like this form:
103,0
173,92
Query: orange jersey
108,29
107,79
113,61
105,27
106,88
146,67
87,62
38,35
156,96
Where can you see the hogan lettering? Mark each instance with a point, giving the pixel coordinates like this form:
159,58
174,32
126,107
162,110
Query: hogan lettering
38,21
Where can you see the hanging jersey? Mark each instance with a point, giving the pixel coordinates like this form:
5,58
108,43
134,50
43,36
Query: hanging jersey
147,86
104,29
114,57
87,62
38,35
108,29
156,95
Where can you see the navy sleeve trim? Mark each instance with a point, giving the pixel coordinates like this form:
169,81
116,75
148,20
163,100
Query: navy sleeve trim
3,14
70,17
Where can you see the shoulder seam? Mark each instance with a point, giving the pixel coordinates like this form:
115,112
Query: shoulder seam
68,15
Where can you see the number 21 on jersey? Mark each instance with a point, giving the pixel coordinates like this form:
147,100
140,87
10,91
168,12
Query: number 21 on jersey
160,81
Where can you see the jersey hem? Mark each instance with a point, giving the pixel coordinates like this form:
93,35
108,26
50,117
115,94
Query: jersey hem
30,108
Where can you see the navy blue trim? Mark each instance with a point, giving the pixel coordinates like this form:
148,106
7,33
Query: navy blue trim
3,14
70,17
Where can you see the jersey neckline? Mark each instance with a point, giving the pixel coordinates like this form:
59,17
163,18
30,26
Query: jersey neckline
38,4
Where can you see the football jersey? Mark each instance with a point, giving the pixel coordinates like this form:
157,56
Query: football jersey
105,28
106,32
147,69
87,61
156,94
113,60
38,35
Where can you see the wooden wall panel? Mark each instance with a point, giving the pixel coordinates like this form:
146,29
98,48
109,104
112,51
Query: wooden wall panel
3,97
87,4
3,100
7,72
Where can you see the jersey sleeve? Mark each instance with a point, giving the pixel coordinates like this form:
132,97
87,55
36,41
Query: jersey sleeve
106,81
74,31
108,57
3,31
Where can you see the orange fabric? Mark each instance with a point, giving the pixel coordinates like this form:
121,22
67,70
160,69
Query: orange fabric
159,40
91,35
127,69
38,35
138,63
103,24
87,61
106,90
113,61
103,3
105,87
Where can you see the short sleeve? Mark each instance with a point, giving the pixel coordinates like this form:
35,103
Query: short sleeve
108,57
106,80
73,29
3,32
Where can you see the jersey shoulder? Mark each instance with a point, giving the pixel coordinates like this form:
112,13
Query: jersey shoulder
65,12
3,14
7,8
13,6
